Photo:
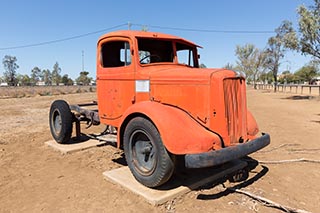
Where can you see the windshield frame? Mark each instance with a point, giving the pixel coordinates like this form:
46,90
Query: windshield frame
159,53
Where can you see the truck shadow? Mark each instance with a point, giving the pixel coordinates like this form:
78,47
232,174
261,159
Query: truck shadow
121,160
76,140
105,139
227,191
208,178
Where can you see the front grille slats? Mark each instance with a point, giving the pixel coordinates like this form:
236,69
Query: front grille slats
235,109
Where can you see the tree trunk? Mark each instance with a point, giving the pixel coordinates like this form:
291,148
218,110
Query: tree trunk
275,77
275,83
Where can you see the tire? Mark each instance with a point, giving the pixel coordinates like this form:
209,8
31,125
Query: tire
145,153
60,120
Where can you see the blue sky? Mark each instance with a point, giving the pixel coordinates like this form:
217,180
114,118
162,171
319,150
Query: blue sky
37,21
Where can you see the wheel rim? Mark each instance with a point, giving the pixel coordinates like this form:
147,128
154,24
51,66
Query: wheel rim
57,122
143,152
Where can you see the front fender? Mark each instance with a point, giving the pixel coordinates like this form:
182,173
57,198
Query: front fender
180,133
252,126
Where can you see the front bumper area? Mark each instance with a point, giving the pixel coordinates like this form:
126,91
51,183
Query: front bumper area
224,155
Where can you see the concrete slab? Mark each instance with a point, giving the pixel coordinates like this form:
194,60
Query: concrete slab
179,185
86,142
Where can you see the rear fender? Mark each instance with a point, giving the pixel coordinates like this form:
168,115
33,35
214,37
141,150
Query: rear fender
180,133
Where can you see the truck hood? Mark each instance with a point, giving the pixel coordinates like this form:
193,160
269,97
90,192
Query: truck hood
186,75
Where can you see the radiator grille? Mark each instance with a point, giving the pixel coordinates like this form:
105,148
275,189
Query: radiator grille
235,108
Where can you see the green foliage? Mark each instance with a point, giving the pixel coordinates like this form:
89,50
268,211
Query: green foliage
266,77
252,61
307,72
55,75
203,65
277,46
35,75
46,77
24,80
66,80
229,66
10,67
286,77
309,28
83,79
145,28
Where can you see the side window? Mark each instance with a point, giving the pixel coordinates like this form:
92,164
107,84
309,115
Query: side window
185,54
115,54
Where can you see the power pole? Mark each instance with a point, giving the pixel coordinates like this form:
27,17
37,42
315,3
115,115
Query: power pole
82,60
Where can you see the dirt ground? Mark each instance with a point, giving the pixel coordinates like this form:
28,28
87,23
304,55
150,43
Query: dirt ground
35,178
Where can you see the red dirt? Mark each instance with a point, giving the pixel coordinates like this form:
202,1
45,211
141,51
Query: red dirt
34,178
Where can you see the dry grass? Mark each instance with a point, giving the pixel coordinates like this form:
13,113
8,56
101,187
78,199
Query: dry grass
20,92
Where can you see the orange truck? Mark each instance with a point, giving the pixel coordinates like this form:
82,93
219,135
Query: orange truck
152,91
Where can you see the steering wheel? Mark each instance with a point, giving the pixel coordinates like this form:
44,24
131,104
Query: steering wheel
153,56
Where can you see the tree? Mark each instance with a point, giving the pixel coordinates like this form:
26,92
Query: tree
83,79
66,80
266,77
277,46
55,75
35,75
46,77
202,65
252,61
229,66
286,77
309,30
307,72
24,80
10,67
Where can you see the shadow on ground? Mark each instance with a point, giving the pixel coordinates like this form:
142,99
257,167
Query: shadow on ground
300,97
226,192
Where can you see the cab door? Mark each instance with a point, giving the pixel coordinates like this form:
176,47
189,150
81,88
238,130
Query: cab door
115,78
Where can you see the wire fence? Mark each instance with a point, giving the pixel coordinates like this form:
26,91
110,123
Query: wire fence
32,91
293,88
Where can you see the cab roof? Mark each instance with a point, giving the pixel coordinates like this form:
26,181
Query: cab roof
142,34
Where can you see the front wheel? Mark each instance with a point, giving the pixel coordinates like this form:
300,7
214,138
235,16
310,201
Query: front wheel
60,120
145,153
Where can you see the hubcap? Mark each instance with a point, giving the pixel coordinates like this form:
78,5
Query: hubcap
143,152
57,123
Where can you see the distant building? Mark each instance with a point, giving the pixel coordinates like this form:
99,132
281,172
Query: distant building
41,83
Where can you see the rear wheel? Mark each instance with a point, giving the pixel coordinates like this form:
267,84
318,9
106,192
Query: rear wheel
147,158
60,120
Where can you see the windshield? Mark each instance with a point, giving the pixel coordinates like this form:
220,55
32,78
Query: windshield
157,51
